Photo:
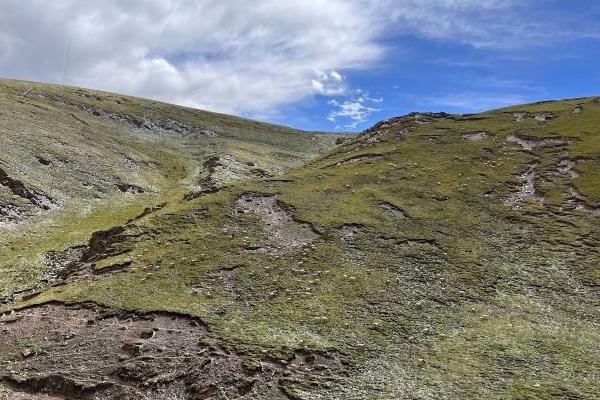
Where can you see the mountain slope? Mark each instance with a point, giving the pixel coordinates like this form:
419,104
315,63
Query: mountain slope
435,256
76,161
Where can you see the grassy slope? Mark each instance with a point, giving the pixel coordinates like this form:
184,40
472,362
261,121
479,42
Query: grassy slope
454,295
54,144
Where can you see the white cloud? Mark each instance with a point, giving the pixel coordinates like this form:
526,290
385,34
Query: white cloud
356,110
231,56
329,84
491,24
239,56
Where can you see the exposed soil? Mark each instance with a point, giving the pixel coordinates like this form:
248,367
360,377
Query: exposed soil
10,214
146,123
148,211
18,188
131,189
531,143
84,352
280,225
398,213
542,116
475,136
519,117
221,170
348,233
526,191
359,159
566,167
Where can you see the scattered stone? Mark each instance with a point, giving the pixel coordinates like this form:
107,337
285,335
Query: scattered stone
147,333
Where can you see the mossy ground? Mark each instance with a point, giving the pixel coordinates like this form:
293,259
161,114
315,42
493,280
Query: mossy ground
457,295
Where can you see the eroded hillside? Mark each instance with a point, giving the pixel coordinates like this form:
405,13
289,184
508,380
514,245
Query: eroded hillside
76,161
435,256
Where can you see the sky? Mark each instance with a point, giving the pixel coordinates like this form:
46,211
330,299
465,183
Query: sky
329,65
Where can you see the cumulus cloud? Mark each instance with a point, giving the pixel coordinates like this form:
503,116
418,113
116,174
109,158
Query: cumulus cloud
234,56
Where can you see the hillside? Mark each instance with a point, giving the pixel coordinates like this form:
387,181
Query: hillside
156,252
77,161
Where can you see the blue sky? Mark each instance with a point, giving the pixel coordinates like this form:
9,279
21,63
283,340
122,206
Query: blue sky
432,74
312,64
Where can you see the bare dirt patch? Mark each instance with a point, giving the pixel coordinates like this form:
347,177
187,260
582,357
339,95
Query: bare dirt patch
475,136
77,352
395,211
18,188
531,143
526,191
277,219
11,214
131,189
221,170
566,167
541,116
358,159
